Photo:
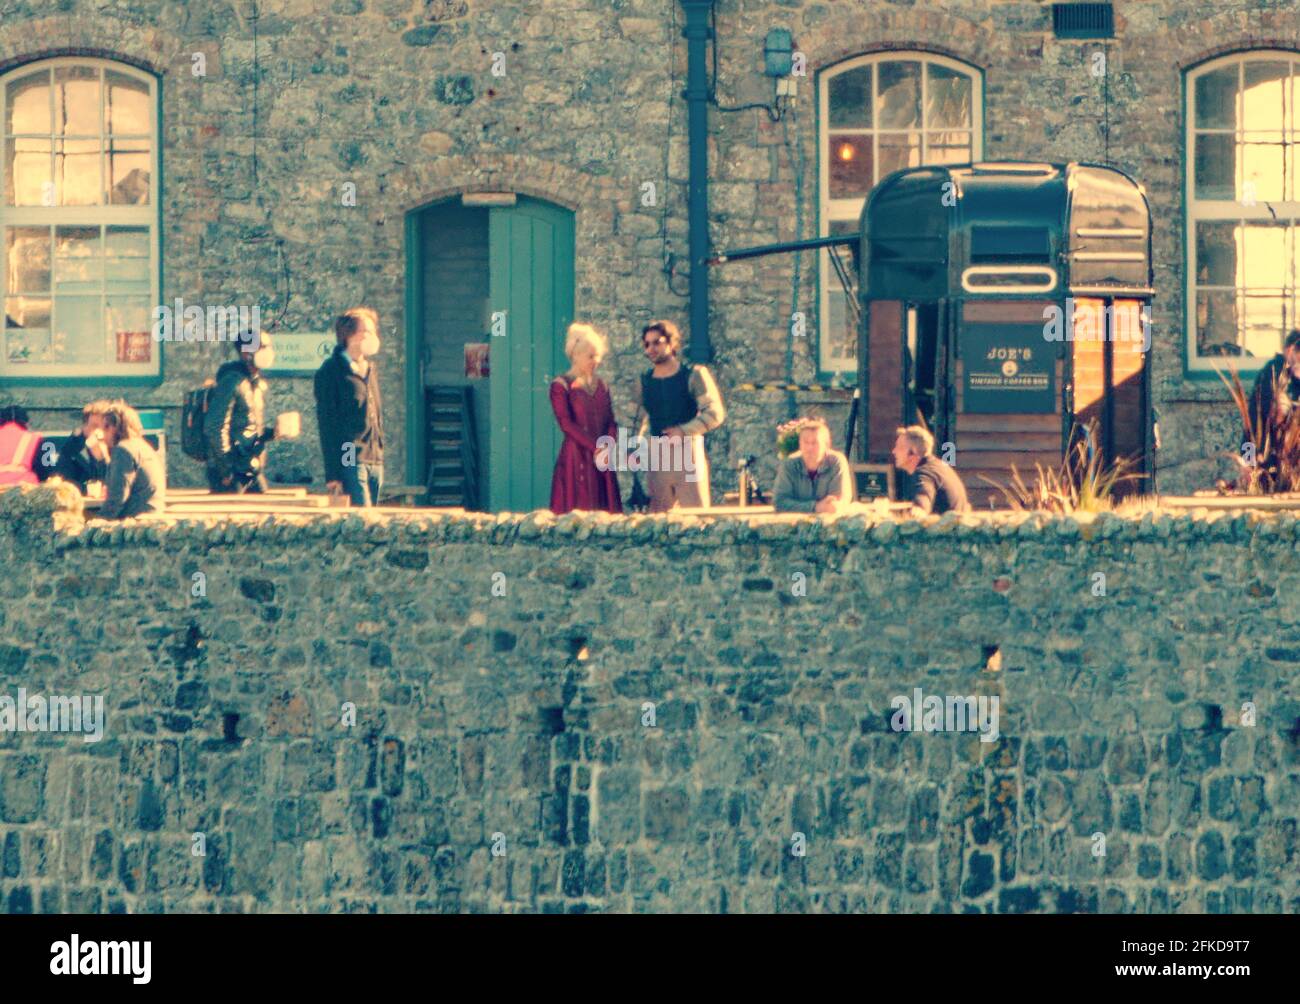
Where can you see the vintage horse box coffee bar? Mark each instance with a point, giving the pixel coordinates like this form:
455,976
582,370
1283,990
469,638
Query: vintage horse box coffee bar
1006,306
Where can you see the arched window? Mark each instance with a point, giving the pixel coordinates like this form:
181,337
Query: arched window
1243,207
879,114
79,221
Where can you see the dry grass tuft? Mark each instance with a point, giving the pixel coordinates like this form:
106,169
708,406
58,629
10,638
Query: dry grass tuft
1083,482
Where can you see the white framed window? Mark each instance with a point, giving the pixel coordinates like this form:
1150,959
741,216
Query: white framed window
878,114
79,220
1243,207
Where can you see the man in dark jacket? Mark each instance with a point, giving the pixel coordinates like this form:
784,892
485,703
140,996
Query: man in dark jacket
84,456
349,411
234,425
937,489
1276,391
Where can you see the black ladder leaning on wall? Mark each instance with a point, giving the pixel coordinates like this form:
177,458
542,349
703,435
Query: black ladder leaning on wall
453,447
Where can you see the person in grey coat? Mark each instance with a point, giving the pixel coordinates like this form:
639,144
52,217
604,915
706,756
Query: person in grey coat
817,479
137,482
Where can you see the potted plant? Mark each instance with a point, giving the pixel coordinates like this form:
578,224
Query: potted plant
787,437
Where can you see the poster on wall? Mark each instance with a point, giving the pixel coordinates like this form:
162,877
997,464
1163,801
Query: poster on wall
476,360
1008,369
134,347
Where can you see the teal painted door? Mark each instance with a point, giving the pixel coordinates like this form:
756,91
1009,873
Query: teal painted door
531,301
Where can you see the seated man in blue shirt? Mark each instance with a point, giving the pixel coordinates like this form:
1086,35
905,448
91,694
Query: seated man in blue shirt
817,479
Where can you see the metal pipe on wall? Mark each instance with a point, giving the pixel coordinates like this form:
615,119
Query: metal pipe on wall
697,34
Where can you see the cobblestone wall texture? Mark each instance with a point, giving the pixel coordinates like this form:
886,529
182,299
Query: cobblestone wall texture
500,671
397,97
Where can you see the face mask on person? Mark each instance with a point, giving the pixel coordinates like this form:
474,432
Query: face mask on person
264,358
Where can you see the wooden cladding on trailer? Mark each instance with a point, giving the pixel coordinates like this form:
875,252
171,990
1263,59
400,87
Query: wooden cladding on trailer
1089,356
1127,393
1109,364
884,377
1005,311
989,447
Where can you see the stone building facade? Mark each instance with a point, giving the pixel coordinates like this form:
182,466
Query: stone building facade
578,104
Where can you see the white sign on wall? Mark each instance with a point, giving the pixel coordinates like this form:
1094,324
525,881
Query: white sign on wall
301,352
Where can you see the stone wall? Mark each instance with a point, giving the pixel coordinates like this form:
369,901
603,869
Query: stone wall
398,98
501,670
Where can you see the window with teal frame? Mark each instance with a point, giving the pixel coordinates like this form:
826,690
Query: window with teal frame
79,221
1243,208
878,114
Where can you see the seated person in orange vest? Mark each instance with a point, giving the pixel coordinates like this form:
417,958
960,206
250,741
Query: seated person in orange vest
937,487
817,479
137,482
84,457
19,448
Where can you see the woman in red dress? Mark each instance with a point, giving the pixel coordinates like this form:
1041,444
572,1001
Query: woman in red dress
583,477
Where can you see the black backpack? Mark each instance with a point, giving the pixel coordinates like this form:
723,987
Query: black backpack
194,410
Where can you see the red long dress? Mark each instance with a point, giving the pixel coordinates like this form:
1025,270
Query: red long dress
584,418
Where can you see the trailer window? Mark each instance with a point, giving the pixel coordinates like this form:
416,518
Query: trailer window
1007,279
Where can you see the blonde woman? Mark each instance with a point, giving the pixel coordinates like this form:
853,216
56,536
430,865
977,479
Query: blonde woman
582,407
137,482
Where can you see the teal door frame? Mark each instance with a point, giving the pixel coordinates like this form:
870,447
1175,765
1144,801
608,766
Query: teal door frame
416,469
532,281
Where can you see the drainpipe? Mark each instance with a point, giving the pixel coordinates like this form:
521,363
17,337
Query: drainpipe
697,34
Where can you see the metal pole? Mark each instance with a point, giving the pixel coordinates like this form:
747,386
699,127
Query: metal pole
698,33
740,254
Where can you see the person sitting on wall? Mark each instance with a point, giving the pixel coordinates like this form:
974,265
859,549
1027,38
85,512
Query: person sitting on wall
19,448
137,482
817,479
84,457
937,489
236,435
349,411
1274,395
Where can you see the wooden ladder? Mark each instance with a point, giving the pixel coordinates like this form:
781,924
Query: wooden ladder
453,447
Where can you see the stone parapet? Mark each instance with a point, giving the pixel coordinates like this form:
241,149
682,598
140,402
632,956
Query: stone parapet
383,712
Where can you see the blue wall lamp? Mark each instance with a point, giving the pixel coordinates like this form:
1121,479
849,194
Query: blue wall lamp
778,53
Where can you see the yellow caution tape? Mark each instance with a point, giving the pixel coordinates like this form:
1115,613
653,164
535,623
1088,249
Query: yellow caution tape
814,387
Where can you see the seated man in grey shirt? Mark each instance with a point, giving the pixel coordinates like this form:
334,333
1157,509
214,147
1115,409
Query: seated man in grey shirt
817,479
137,482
